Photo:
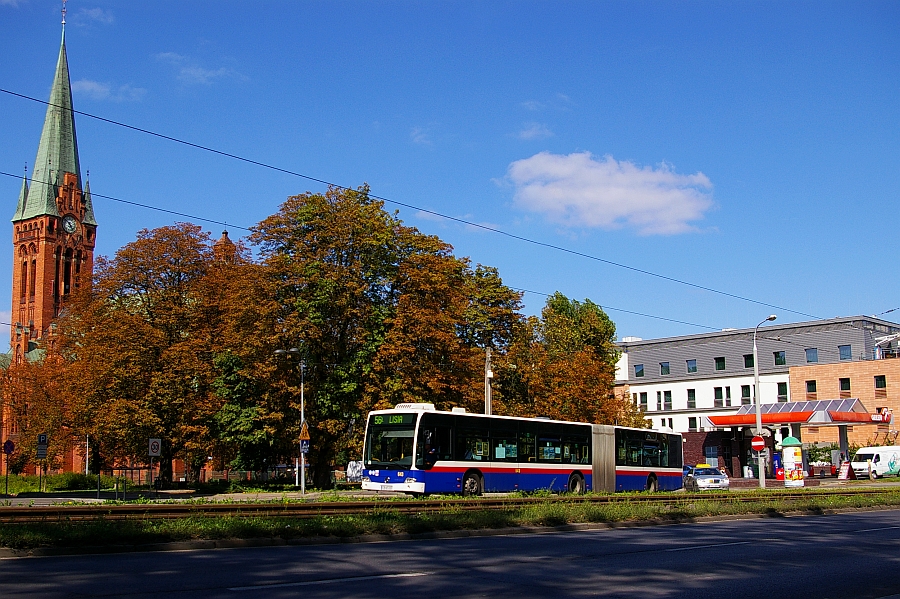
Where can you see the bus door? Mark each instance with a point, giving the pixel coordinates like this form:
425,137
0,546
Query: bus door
503,474
434,448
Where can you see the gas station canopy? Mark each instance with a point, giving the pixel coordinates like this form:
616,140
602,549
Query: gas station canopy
825,412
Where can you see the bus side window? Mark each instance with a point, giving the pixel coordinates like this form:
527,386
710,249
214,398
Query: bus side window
651,454
526,447
549,450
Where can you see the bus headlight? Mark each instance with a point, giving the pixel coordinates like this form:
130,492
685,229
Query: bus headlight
365,479
410,480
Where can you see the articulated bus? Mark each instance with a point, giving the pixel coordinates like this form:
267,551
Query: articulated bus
418,450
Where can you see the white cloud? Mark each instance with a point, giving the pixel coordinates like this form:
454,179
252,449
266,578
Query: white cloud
105,91
189,71
12,3
534,131
92,15
579,190
420,136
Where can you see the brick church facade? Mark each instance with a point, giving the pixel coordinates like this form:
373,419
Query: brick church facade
54,234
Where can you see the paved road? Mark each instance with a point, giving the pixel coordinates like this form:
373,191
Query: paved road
844,556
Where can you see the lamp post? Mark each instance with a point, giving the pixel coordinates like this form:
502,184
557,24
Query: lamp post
289,354
762,469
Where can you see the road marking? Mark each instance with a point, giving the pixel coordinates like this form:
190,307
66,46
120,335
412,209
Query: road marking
327,581
692,547
877,529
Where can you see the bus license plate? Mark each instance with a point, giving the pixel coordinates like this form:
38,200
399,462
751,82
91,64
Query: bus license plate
387,487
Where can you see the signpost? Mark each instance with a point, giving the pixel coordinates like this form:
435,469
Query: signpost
154,450
41,455
304,449
8,448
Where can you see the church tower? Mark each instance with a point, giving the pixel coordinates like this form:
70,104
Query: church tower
54,231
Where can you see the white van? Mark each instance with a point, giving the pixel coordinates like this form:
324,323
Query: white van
885,461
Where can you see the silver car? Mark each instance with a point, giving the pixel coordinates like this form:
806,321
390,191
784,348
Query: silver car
703,478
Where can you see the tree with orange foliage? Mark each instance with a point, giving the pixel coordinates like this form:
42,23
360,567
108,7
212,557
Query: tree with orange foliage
140,345
35,398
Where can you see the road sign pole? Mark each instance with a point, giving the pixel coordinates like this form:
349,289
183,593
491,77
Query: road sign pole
7,475
303,420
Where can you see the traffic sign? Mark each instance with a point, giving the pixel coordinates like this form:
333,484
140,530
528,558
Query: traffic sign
42,452
304,445
9,447
304,432
42,439
758,443
155,447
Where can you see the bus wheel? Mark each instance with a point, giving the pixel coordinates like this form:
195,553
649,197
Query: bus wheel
576,484
471,484
652,484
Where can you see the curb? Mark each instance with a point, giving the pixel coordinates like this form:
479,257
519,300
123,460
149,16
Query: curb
202,545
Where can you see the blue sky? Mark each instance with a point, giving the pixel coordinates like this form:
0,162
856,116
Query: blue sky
749,148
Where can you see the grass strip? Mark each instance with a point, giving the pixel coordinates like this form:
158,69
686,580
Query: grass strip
388,520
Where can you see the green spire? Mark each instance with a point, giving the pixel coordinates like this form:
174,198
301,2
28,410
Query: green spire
23,196
88,206
58,149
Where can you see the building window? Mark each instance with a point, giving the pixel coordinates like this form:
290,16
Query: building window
692,424
845,388
692,366
663,368
644,401
667,400
638,370
880,387
810,390
782,392
659,403
812,355
718,397
692,398
712,455
780,359
748,360
727,396
745,395
720,363
845,352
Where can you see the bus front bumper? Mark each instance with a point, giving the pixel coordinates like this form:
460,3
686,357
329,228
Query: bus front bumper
410,487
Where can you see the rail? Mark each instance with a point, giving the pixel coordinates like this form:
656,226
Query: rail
288,509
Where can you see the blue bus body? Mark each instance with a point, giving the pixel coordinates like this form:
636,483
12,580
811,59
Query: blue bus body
416,449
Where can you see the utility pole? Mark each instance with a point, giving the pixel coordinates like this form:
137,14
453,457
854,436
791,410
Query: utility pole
488,375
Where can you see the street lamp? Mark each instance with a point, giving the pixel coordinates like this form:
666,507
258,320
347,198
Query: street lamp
290,353
762,469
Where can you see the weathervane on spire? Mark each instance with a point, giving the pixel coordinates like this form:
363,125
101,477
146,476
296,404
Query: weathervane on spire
64,11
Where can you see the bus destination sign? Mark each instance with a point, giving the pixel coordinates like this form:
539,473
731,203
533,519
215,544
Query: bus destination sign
383,419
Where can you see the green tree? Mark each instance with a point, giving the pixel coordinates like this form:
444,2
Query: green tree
562,365
382,313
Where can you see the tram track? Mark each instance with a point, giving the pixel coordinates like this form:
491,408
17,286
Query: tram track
315,509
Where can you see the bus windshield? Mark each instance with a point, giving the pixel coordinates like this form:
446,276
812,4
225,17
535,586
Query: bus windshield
389,441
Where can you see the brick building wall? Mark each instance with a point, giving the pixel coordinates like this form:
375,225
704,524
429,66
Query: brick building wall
861,376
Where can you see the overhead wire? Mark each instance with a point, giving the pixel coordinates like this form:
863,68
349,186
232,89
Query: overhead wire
418,208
